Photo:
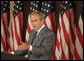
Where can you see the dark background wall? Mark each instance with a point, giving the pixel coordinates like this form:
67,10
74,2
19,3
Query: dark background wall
27,4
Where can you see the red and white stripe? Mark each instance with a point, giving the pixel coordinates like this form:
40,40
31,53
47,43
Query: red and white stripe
16,31
79,41
4,31
68,30
29,28
65,36
49,21
57,46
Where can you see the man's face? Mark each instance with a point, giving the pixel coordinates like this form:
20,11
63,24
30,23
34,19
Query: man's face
36,22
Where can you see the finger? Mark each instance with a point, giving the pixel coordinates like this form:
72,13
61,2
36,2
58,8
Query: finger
21,42
19,47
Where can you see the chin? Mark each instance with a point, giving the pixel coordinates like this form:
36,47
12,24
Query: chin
35,29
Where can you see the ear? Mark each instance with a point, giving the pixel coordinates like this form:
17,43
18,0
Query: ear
42,20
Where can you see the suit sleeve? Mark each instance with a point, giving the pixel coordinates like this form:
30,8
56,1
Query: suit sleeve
46,45
20,52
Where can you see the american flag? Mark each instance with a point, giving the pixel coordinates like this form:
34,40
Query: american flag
65,40
79,39
4,25
46,7
16,26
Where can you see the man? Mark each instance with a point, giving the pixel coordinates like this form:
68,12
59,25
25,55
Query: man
39,47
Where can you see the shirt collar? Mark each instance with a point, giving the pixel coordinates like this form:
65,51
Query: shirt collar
40,28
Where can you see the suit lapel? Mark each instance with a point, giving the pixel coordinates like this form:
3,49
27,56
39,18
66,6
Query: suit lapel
30,37
39,35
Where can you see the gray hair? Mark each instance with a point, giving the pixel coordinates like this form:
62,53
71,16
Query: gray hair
41,15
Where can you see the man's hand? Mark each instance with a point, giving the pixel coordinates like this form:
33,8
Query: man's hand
23,46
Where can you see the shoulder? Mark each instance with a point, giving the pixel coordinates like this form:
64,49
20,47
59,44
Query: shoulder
32,31
48,32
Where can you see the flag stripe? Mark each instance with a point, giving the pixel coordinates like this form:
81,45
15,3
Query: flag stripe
27,36
15,43
57,54
72,35
70,19
77,57
65,33
52,22
12,34
29,22
44,21
3,33
27,32
18,23
79,41
10,46
79,48
57,44
64,37
69,15
81,25
3,43
80,38
16,35
2,47
79,33
48,23
4,27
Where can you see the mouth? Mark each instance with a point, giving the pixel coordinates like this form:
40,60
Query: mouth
34,26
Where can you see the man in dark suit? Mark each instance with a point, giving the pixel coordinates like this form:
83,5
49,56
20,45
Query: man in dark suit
41,39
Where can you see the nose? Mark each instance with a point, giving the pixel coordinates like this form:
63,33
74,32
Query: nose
33,23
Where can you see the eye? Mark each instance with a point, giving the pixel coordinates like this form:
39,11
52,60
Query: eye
31,20
35,20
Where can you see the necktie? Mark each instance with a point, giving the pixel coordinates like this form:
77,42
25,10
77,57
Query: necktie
34,36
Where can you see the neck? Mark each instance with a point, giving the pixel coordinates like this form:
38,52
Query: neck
41,28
